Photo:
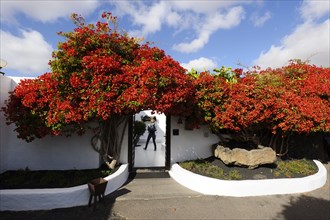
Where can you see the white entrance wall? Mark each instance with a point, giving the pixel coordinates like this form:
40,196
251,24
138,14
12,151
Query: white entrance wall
187,145
49,153
191,144
6,85
75,152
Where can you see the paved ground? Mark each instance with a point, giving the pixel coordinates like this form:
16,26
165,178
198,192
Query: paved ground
163,198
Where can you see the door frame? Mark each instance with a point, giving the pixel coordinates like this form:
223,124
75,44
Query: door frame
131,148
168,143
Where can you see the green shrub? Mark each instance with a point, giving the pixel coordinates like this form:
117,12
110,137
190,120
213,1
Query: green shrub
293,167
235,175
208,169
139,129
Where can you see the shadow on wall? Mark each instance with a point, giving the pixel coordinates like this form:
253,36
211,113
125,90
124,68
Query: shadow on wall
7,84
305,207
194,153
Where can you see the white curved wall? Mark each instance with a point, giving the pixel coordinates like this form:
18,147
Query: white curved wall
43,199
242,188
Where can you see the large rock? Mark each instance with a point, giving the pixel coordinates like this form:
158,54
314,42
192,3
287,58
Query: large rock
242,157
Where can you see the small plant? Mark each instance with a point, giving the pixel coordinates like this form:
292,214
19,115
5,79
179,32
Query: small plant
213,171
208,169
188,165
235,175
293,167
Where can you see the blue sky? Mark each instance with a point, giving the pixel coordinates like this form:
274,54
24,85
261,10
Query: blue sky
199,34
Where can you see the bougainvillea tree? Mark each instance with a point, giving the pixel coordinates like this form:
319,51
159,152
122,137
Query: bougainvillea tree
99,76
294,99
303,101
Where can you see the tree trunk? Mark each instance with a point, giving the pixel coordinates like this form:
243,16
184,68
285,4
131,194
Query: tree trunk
108,140
284,146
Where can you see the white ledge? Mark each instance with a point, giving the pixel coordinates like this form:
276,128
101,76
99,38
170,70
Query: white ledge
43,199
242,188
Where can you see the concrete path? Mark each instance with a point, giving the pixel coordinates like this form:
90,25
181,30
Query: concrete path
163,198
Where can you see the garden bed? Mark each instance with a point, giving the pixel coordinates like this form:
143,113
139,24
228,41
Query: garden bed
215,168
26,179
248,187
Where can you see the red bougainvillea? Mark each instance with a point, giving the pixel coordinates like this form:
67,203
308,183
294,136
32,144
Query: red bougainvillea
287,100
101,75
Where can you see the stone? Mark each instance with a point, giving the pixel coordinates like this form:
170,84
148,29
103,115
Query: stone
241,157
259,177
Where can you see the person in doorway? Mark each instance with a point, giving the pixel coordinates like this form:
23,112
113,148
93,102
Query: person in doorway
152,132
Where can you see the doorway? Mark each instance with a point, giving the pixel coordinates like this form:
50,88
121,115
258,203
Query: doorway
138,157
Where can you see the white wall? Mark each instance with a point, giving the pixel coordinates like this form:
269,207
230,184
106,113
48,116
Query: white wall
191,144
6,85
75,152
49,153
188,145
124,148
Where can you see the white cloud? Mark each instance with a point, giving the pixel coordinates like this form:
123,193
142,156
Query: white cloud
194,45
311,10
204,19
204,8
46,10
27,54
211,24
150,18
259,21
309,41
200,64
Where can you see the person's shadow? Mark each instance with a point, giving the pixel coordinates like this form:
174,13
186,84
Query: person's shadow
306,207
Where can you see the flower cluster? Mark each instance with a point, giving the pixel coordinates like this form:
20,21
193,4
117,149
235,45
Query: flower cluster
98,73
291,99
